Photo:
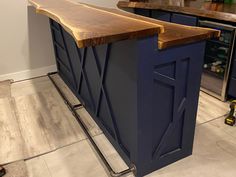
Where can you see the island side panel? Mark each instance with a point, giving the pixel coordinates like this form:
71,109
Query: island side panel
168,92
144,99
104,78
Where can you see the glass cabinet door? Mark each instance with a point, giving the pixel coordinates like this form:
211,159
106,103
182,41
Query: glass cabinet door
218,54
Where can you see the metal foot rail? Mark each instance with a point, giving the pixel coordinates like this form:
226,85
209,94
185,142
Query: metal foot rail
73,108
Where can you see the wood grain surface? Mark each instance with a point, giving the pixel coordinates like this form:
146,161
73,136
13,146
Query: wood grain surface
91,26
34,120
219,11
174,34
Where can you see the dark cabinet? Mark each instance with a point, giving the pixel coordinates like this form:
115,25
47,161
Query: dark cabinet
168,16
61,52
143,12
232,87
234,69
184,19
161,15
232,82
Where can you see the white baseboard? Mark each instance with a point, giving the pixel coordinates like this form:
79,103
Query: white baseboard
28,74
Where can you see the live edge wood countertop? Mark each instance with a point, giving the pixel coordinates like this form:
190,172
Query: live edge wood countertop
200,8
91,25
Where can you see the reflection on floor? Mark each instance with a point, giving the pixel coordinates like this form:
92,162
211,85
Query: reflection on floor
214,148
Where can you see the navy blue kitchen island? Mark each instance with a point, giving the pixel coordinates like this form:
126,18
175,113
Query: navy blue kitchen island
143,98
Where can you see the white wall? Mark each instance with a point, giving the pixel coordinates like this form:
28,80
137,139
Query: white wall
104,3
25,41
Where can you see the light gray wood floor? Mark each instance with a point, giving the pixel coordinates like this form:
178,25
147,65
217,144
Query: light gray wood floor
214,147
34,120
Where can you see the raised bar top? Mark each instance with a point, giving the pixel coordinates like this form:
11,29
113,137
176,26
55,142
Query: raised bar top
176,34
219,11
91,25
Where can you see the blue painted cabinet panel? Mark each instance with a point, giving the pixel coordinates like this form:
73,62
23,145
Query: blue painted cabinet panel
234,69
144,100
232,87
143,12
168,16
161,15
184,19
232,81
169,84
61,53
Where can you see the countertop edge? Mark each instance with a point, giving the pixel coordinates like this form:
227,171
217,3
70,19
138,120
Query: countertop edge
163,44
224,16
93,41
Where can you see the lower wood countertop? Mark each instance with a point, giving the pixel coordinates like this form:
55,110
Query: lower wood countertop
92,25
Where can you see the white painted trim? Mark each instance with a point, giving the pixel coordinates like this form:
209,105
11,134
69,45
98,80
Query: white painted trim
28,74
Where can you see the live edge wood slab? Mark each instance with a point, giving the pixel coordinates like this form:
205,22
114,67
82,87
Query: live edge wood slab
90,25
143,99
200,8
93,26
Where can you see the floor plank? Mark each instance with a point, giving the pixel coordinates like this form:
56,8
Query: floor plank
80,159
210,108
51,124
5,90
16,169
75,160
37,168
29,87
61,126
34,121
12,143
228,130
31,125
